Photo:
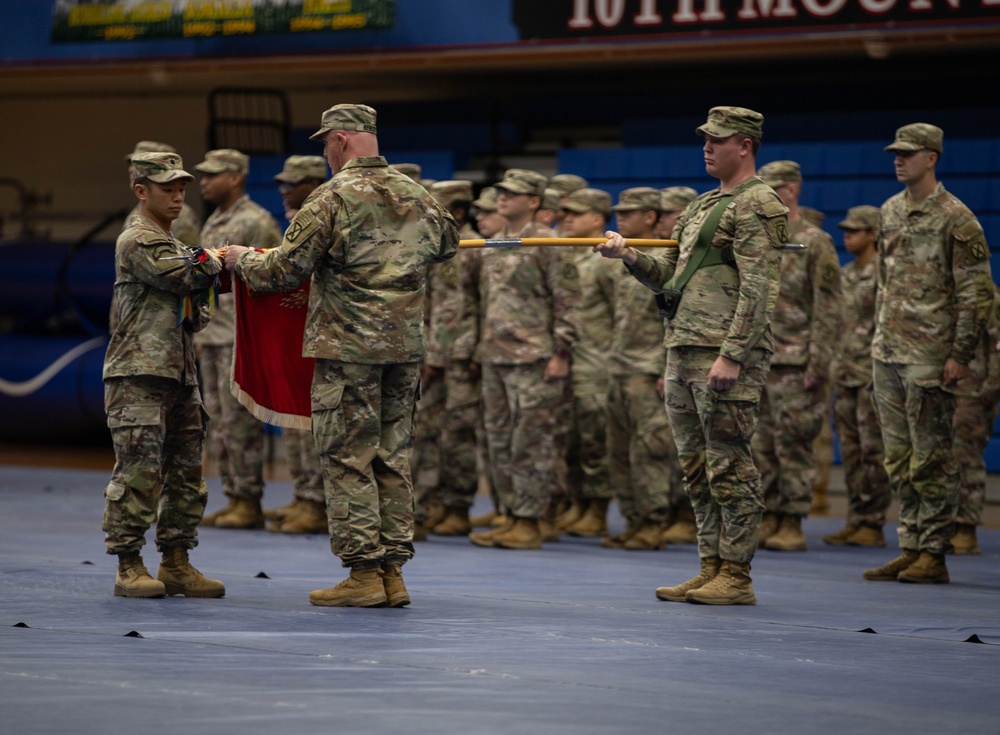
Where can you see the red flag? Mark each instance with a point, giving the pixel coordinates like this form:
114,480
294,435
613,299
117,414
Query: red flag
270,375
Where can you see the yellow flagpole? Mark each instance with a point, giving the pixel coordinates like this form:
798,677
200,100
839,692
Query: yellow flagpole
516,242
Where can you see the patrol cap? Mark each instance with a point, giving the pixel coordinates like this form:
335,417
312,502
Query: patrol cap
865,217
811,215
918,136
779,173
550,199
639,197
523,181
487,200
451,191
301,168
224,159
567,183
160,167
588,200
674,198
726,121
149,146
357,118
412,170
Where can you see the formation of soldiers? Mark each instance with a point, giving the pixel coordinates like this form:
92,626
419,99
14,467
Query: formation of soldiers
551,375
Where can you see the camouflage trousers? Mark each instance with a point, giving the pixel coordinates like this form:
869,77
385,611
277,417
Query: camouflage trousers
862,455
363,428
236,438
916,415
791,418
158,431
426,456
642,458
587,454
567,477
463,437
303,465
713,430
520,411
973,427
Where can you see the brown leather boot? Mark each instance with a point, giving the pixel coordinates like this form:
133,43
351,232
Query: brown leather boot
789,536
927,569
134,580
731,586
311,518
180,578
594,521
246,515
208,520
485,538
395,591
870,537
840,537
768,527
647,538
709,569
455,523
964,541
684,529
525,533
363,588
890,572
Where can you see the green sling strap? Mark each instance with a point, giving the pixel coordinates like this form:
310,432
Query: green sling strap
701,247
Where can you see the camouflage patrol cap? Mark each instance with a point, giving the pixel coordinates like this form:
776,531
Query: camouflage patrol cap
567,183
452,191
639,197
302,168
865,217
550,199
224,159
918,136
160,167
812,216
588,200
779,173
726,121
523,181
487,200
412,170
150,146
674,198
356,118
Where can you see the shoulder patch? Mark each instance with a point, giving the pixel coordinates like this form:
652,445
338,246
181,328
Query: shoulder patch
970,234
305,224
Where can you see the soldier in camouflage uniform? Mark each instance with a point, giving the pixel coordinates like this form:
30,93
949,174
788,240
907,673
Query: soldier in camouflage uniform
365,238
975,415
794,405
548,213
299,177
236,437
642,456
861,452
935,293
563,185
525,311
719,345
151,390
673,200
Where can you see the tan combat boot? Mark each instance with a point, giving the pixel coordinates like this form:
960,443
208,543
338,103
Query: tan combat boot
870,537
455,523
820,501
363,588
647,538
683,530
618,542
435,514
134,580
731,586
709,569
927,569
571,515
594,521
840,537
890,572
768,527
485,538
311,518
208,521
964,541
524,533
246,515
395,591
483,521
789,536
180,578
285,511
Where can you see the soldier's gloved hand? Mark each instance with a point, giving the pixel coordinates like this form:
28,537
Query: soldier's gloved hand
615,247
232,255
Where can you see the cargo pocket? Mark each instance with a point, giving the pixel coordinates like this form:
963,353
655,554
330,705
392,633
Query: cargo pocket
126,417
328,416
733,421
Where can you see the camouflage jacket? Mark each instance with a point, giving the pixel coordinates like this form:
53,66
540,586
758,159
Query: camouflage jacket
934,283
146,339
728,307
853,361
985,363
520,302
365,237
637,339
444,300
595,313
806,319
244,223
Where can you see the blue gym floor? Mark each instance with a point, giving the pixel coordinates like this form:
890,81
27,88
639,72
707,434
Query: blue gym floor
569,639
